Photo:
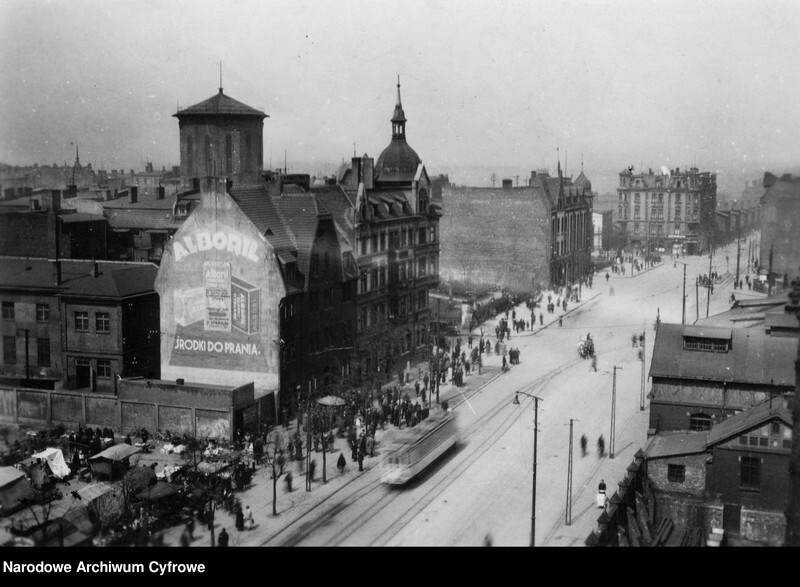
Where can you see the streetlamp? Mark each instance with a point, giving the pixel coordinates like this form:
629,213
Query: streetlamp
536,401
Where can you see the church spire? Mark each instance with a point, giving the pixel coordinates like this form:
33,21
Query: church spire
399,117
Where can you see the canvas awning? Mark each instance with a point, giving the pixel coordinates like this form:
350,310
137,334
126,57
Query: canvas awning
118,452
158,491
55,460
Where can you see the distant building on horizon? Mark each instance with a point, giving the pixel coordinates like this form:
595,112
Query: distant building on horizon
669,213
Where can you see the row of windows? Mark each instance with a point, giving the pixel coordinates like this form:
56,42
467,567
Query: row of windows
102,322
397,239
42,312
749,473
375,278
706,344
402,306
229,152
103,366
42,351
320,340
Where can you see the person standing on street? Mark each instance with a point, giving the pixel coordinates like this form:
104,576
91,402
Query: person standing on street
360,460
288,481
583,445
341,463
222,541
601,447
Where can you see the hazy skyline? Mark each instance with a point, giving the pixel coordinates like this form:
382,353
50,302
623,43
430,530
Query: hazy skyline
487,86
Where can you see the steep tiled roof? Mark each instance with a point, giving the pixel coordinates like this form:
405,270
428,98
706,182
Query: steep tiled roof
256,203
114,280
754,357
754,417
301,213
217,105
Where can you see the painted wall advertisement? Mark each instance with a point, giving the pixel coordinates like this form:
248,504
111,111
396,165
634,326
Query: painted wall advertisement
217,285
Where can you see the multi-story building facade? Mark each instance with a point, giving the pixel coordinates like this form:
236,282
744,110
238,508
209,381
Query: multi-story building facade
669,213
76,324
780,238
518,237
392,221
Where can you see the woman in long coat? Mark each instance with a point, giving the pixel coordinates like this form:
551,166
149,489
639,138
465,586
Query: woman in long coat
239,520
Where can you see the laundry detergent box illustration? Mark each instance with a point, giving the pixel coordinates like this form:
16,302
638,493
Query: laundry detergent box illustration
245,299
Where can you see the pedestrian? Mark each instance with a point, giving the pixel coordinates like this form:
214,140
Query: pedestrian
249,522
239,520
601,446
311,468
560,322
185,541
633,339
360,460
223,538
341,463
541,319
583,445
594,363
505,363
288,481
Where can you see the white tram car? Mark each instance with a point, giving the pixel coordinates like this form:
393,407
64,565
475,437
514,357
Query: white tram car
420,446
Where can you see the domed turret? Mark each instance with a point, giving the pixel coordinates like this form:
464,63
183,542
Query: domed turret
398,162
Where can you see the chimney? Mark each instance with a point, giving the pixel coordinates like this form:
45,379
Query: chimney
134,190
55,200
161,192
367,169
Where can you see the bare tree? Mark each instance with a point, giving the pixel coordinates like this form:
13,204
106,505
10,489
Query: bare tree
276,461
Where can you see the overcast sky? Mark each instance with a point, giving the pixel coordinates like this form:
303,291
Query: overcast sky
487,86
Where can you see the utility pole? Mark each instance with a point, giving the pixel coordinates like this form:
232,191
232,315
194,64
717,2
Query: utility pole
793,509
697,298
438,354
738,250
683,314
613,414
644,360
769,273
710,283
568,514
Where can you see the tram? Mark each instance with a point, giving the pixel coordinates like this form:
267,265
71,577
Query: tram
419,447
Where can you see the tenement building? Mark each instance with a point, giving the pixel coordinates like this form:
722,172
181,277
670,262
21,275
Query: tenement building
518,237
667,212
389,215
780,237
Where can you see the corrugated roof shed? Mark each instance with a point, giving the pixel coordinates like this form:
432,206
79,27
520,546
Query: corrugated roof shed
756,416
754,357
677,444
114,280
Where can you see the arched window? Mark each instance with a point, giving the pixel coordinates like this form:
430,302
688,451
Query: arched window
423,201
699,422
207,154
228,154
190,155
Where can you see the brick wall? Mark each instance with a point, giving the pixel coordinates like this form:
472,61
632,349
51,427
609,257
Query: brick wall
32,405
498,237
138,415
66,408
100,410
694,482
765,527
212,424
176,420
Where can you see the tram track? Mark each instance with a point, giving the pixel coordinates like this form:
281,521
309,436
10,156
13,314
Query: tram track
373,496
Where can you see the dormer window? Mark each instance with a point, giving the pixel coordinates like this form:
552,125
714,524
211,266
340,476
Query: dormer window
423,201
717,345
